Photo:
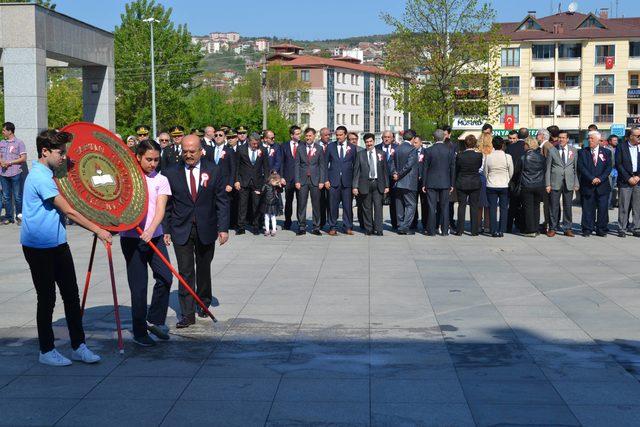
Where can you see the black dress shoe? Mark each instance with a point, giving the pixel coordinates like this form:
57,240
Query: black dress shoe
495,234
368,233
378,233
186,321
636,234
474,234
501,234
316,232
240,231
255,231
586,234
402,232
621,233
301,232
458,233
601,233
286,226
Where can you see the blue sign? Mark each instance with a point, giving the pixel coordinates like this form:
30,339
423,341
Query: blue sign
618,129
633,93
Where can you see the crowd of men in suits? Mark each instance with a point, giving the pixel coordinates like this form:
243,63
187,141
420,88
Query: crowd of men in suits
421,183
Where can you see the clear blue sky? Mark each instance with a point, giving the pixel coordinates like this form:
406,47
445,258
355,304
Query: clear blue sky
301,19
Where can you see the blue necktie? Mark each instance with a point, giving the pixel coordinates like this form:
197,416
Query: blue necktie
217,155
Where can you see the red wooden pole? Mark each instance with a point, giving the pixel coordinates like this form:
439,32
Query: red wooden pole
115,299
88,278
179,277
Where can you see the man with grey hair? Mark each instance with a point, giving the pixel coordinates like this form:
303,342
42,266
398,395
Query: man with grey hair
251,174
207,138
628,166
438,177
594,167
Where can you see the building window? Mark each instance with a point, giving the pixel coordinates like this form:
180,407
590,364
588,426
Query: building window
337,119
603,113
543,82
542,110
337,98
510,57
604,84
357,119
353,99
571,110
591,22
344,97
304,96
357,99
304,118
293,117
543,51
570,50
566,81
603,51
634,49
510,85
634,109
511,109
529,24
357,78
344,119
305,75
633,80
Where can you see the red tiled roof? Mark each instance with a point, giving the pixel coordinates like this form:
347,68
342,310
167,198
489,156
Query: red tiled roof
616,28
286,46
307,61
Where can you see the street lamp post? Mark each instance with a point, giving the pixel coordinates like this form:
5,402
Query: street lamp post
153,80
264,94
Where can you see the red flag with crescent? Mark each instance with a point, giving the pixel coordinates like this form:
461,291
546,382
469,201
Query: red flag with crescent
509,121
609,61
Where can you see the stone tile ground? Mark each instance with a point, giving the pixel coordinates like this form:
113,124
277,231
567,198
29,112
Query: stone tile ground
399,330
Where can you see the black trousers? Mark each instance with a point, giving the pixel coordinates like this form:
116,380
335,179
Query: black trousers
531,199
49,267
248,195
303,195
372,208
595,212
234,199
438,199
392,206
472,197
289,193
515,215
422,210
546,209
194,264
138,255
324,206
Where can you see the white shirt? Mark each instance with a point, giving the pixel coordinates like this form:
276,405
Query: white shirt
218,152
209,142
292,145
595,152
633,151
196,174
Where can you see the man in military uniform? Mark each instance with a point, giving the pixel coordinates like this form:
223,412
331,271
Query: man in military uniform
242,135
197,132
142,131
171,155
234,195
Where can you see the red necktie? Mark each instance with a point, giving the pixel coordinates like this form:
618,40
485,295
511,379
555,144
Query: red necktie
295,150
192,184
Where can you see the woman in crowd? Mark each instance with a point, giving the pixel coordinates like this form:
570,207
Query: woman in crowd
484,146
532,169
468,184
498,170
138,254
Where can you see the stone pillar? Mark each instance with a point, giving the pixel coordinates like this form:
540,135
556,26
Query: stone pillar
25,93
98,96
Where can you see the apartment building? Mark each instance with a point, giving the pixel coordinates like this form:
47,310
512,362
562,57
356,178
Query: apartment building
571,69
342,92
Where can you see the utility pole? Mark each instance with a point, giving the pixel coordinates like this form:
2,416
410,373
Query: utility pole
264,92
153,81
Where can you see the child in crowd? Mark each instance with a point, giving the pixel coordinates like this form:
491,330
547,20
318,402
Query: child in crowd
272,202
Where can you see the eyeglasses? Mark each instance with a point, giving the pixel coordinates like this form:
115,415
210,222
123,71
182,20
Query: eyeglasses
163,140
217,135
242,133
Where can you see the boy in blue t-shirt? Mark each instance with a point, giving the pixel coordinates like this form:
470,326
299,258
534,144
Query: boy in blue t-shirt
44,243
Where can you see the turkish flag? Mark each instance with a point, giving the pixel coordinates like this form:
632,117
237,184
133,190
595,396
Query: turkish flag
509,121
609,61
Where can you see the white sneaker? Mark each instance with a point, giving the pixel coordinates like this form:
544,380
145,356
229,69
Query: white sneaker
53,358
83,354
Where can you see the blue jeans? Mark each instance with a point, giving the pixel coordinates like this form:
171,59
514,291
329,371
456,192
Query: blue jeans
11,186
498,197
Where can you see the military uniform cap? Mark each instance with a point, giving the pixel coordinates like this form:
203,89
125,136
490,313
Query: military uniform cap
142,130
242,129
177,131
231,133
196,131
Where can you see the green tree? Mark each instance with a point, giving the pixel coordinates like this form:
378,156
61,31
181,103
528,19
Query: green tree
447,50
64,98
176,60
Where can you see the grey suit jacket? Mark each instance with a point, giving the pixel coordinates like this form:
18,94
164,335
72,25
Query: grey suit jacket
314,166
407,166
558,173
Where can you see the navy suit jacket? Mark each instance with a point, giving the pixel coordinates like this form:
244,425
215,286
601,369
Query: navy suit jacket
210,210
587,171
275,157
340,171
227,162
287,163
390,157
624,165
406,166
439,167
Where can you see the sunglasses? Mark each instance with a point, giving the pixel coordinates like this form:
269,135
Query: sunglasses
163,140
218,135
242,133
233,137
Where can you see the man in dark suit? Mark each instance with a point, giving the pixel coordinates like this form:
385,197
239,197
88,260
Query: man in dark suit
628,165
371,182
389,147
515,147
252,172
222,156
405,176
325,139
340,157
456,147
172,155
234,197
594,167
288,153
422,205
273,151
309,170
468,184
197,213
439,173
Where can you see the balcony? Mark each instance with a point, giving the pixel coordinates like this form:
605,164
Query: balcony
541,94
634,63
569,64
607,118
542,65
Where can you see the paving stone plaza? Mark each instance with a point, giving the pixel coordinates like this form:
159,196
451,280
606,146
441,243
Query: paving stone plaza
350,330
